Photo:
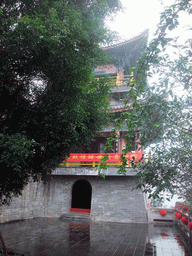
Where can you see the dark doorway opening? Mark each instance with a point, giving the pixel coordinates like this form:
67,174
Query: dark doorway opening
81,197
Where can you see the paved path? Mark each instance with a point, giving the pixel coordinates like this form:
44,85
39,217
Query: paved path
53,237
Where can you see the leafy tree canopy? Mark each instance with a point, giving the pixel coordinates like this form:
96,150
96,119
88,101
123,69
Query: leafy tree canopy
49,99
170,60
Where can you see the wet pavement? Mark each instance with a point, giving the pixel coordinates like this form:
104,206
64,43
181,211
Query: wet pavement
48,236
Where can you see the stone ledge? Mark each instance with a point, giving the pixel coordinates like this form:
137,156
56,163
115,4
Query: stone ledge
91,171
155,216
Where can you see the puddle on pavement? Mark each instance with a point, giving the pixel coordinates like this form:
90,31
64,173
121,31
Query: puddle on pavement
79,234
166,240
48,236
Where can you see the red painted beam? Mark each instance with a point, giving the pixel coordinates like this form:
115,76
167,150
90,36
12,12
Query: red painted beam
79,210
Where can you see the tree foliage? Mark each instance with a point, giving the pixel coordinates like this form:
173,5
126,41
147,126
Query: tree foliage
49,99
166,121
160,109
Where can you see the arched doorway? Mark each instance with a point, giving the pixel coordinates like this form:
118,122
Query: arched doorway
81,197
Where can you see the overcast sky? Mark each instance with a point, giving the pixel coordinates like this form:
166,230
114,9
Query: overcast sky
140,15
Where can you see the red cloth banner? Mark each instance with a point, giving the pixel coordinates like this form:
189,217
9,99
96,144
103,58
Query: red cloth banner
96,157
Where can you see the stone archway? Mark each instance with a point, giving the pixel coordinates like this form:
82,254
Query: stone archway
81,197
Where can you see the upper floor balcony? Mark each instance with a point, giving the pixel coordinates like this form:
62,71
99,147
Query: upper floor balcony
91,154
118,79
121,80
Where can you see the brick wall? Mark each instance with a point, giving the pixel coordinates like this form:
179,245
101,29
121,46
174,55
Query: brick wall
112,200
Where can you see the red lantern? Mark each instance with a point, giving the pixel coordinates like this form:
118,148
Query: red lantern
179,216
181,206
185,220
190,225
176,214
186,208
164,234
163,212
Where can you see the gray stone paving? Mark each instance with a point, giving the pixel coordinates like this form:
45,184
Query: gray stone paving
53,237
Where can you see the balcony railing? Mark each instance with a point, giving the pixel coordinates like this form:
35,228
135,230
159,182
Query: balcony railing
118,81
94,159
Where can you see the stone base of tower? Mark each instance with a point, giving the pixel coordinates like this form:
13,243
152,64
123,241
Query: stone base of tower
111,199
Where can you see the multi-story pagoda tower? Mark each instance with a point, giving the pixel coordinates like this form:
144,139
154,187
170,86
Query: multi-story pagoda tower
113,195
123,58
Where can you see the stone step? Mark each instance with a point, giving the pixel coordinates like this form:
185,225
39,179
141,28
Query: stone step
75,216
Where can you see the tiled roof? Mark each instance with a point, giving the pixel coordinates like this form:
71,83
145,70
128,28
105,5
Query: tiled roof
126,54
143,34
